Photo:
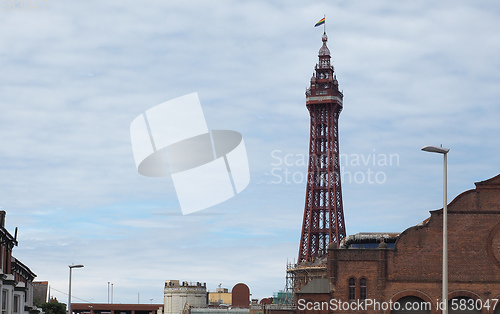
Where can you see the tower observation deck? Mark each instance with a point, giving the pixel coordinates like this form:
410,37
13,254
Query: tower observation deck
323,221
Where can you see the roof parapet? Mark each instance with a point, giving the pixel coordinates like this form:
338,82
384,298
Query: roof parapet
368,237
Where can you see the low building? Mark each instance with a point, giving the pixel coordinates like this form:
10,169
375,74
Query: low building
218,310
220,296
181,295
40,292
107,308
273,309
239,302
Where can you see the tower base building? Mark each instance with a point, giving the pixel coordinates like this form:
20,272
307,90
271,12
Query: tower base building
387,273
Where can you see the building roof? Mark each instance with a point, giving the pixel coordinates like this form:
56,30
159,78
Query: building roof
317,285
368,238
107,307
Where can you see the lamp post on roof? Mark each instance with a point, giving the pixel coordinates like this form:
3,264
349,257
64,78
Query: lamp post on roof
69,294
444,151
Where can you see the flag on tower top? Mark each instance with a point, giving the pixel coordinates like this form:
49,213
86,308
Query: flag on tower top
321,22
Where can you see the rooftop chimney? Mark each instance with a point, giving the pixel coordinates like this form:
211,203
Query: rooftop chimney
2,218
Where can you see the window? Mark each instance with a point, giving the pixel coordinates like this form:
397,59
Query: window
352,289
362,289
16,303
4,301
457,304
413,302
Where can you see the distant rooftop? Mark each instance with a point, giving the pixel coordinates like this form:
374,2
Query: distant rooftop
177,283
369,240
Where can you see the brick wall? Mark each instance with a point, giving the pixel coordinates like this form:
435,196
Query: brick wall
414,266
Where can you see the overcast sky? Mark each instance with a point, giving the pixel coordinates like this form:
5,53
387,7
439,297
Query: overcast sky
74,74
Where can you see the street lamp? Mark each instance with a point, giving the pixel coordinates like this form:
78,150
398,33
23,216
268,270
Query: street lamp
444,151
69,294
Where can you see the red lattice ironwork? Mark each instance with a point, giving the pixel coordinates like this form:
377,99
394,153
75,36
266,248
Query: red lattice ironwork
323,213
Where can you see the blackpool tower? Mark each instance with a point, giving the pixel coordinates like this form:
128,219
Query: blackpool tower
323,213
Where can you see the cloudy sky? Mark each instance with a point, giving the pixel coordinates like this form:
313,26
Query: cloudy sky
74,74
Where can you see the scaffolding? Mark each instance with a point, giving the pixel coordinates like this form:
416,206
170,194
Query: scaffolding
300,274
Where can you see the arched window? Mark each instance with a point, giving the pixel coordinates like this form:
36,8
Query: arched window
411,305
497,309
464,305
352,289
362,288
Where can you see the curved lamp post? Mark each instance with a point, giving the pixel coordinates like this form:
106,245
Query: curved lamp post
69,294
444,151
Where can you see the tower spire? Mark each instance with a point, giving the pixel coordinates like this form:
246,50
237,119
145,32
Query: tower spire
323,221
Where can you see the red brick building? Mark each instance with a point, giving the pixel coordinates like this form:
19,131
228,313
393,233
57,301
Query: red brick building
408,268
